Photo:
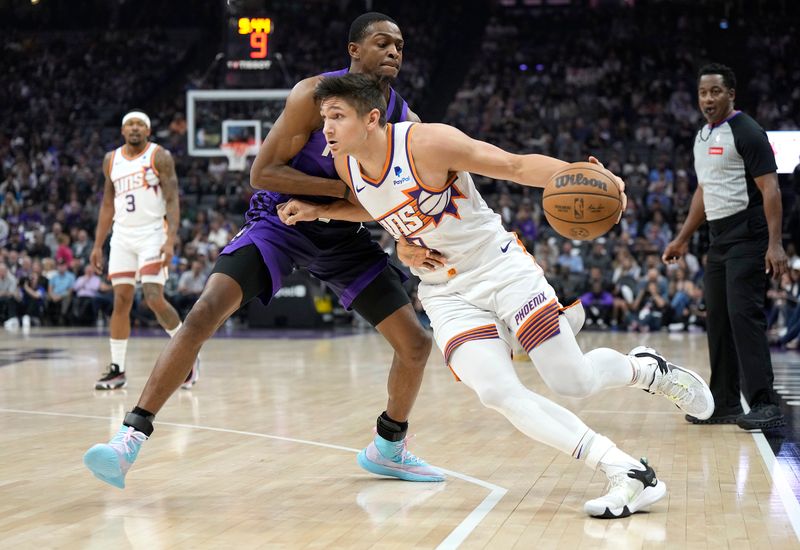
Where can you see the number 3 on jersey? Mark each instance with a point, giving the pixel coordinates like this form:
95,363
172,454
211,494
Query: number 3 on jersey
403,221
131,203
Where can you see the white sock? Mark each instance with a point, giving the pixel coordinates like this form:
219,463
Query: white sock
644,369
118,349
604,454
173,331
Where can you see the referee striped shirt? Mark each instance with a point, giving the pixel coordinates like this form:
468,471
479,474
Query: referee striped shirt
728,156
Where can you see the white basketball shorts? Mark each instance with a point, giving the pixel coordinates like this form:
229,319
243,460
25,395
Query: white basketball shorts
507,295
136,255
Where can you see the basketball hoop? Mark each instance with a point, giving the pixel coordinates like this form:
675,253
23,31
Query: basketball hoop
236,151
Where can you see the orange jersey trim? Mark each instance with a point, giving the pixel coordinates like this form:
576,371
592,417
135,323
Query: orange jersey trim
126,157
451,178
111,163
153,159
522,246
386,164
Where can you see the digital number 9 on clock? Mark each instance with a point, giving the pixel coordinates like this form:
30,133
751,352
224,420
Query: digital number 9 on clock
258,28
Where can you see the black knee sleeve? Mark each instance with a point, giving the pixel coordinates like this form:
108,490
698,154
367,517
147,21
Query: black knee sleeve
382,297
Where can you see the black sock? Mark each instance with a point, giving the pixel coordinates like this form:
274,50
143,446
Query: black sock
142,412
140,419
391,430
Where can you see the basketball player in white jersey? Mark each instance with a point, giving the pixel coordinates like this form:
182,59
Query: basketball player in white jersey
141,199
413,179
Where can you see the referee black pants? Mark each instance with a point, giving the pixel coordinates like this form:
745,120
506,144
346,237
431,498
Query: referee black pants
735,291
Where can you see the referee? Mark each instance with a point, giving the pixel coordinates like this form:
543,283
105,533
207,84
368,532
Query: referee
739,196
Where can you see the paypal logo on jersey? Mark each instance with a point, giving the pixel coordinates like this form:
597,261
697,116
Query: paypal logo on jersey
400,179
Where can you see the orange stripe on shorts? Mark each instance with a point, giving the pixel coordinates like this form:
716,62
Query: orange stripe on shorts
540,326
485,332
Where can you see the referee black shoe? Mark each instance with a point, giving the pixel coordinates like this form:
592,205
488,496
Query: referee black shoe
762,417
716,418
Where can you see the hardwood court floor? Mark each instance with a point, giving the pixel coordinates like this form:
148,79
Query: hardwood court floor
261,454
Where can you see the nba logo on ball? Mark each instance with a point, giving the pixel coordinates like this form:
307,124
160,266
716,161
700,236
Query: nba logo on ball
578,208
433,204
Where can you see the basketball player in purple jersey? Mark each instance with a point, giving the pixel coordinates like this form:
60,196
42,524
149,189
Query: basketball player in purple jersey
294,161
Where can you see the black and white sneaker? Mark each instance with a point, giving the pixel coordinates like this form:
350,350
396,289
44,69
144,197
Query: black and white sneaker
628,492
112,379
685,388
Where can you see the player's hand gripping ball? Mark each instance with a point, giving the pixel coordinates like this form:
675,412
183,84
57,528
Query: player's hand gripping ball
583,200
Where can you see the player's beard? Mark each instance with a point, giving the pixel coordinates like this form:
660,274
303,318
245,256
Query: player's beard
385,81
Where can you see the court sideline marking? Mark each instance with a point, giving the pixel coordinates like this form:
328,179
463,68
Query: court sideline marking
452,541
775,470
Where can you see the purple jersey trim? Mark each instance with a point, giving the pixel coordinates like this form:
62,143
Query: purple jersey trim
340,72
392,100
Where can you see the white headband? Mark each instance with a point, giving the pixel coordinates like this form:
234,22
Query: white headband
136,114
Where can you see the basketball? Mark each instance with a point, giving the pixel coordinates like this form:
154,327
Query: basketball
582,201
432,204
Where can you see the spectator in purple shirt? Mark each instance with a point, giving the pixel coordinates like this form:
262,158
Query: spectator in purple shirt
598,303
86,289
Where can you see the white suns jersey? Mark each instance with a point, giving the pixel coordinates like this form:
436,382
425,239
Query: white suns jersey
138,200
455,220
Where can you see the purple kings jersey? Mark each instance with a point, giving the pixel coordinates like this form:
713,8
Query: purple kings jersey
315,160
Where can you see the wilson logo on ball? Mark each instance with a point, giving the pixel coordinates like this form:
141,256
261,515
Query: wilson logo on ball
579,179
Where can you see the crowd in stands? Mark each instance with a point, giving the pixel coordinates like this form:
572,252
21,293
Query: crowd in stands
621,88
610,89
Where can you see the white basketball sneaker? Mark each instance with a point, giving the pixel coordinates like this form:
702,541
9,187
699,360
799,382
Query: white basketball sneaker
685,388
628,492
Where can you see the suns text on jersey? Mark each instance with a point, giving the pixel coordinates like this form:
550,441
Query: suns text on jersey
405,221
129,183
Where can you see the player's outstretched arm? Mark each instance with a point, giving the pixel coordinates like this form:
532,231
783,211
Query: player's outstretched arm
271,170
349,210
439,148
105,217
296,210
165,167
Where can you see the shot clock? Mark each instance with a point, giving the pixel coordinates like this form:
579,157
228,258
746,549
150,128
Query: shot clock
248,43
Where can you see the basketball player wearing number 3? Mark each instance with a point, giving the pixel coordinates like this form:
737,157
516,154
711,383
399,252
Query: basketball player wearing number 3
140,197
414,179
